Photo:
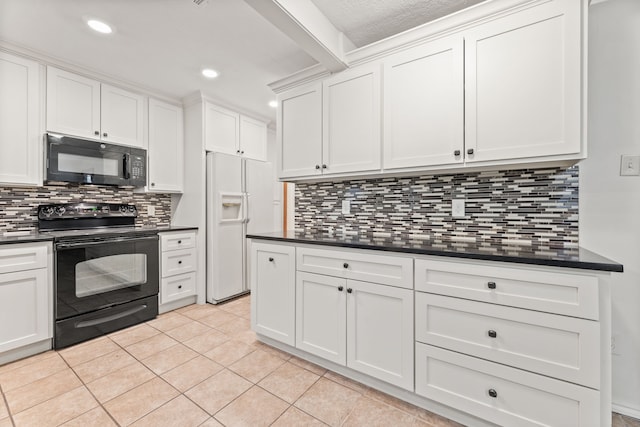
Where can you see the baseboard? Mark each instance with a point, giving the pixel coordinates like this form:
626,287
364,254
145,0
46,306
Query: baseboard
26,351
625,410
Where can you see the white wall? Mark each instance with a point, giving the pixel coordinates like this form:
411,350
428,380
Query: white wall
610,203
277,186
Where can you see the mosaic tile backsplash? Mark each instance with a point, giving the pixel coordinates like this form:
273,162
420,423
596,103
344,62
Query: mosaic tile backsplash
18,205
537,207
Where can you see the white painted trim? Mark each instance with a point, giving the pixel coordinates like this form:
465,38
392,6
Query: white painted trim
307,75
198,97
625,410
441,27
91,73
308,27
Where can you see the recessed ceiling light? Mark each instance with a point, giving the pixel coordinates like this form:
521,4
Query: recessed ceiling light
99,26
209,73
273,104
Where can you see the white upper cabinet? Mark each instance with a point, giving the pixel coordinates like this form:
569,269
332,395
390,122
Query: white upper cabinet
222,129
232,133
73,104
20,125
424,105
253,138
122,116
523,85
166,147
351,126
299,132
86,108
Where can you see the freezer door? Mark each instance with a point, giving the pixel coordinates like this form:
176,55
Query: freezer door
225,227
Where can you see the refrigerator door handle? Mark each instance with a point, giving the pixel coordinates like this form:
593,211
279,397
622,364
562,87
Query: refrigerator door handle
245,212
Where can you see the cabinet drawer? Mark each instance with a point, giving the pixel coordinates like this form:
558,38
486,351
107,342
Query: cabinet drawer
178,262
572,294
173,241
558,346
23,257
176,287
364,266
521,398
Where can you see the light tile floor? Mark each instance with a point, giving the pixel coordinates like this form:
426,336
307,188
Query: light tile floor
196,366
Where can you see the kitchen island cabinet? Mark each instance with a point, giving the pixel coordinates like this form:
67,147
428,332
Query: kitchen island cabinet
490,330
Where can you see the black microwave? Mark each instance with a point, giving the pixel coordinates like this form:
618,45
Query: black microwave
84,161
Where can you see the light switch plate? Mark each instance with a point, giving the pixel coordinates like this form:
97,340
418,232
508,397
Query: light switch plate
457,208
629,165
346,207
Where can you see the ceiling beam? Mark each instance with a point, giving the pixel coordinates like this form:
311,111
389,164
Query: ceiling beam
307,26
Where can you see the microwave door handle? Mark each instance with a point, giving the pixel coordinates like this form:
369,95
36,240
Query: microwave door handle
126,166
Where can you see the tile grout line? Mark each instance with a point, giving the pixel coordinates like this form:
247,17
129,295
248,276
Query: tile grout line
84,385
6,404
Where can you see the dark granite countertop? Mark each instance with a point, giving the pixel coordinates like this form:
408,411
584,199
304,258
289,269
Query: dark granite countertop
564,257
36,236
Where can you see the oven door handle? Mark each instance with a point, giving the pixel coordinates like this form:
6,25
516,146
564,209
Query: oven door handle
106,319
62,246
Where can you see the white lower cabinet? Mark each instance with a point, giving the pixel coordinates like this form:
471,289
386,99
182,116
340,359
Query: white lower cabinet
502,394
273,290
504,343
26,304
178,267
365,326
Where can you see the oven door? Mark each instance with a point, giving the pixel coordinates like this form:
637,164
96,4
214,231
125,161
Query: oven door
98,273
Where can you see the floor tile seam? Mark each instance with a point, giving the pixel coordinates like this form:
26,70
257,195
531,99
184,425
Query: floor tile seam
6,405
47,376
140,360
232,400
199,382
91,360
100,404
289,405
168,370
139,385
248,379
4,369
155,409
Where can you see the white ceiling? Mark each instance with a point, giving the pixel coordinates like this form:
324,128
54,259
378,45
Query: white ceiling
162,45
367,21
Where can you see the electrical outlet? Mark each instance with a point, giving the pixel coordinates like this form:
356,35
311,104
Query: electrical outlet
457,208
346,207
151,210
629,165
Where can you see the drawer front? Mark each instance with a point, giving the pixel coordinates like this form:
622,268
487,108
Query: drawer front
503,395
178,262
176,287
558,346
571,294
363,266
23,257
173,241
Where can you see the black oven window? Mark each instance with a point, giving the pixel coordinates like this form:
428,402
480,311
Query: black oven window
108,273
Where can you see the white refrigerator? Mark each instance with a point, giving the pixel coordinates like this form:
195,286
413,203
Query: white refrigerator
240,196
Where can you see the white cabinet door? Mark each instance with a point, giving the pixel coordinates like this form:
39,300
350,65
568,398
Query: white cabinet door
253,138
20,132
300,132
380,332
424,105
25,309
166,147
351,121
321,316
273,291
73,104
122,117
222,129
522,85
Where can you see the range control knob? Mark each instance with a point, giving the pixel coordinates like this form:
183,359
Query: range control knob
132,209
47,210
60,210
123,208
